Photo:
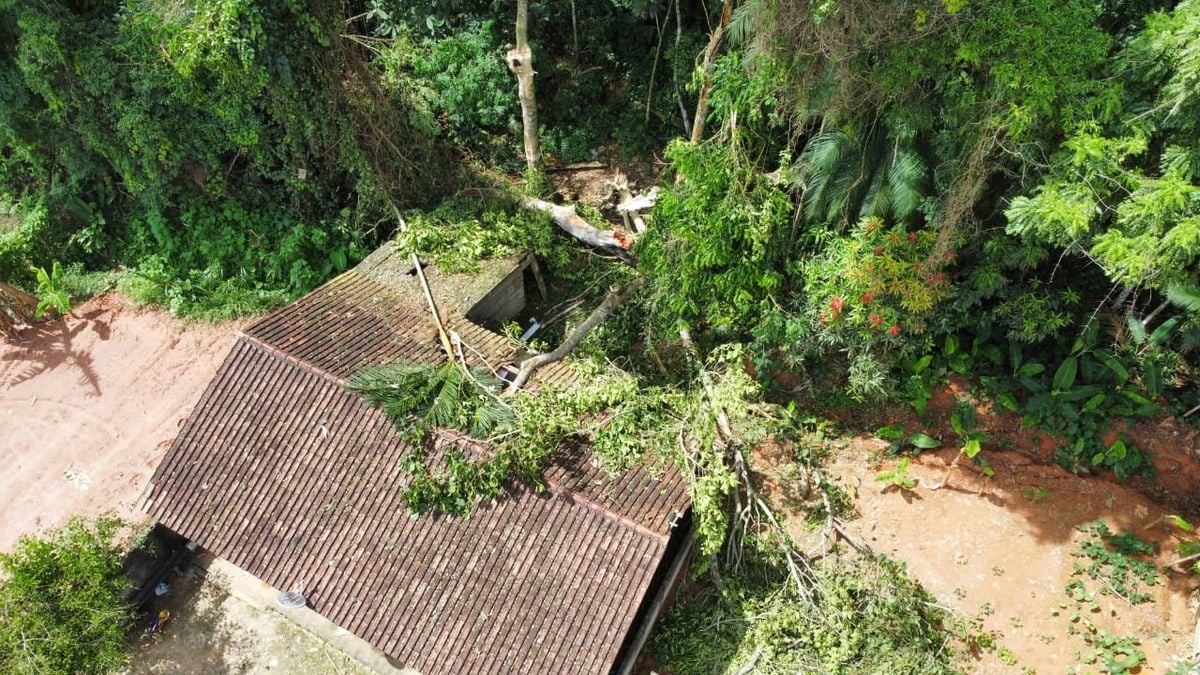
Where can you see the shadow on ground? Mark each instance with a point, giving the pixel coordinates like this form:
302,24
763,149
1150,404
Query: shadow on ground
198,638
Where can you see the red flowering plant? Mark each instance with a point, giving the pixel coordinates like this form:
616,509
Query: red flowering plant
876,287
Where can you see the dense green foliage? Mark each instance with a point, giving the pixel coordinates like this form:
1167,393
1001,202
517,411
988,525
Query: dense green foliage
888,193
870,618
898,191
625,423
214,148
61,609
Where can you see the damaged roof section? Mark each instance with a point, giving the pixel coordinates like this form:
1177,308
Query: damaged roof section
284,472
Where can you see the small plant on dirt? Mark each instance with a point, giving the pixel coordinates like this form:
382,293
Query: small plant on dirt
51,292
1122,457
898,476
895,433
1036,494
1113,560
1114,653
971,439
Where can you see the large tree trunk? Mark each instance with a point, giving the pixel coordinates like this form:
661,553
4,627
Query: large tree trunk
710,62
520,62
571,223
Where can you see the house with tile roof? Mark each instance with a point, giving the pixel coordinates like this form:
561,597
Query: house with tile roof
288,475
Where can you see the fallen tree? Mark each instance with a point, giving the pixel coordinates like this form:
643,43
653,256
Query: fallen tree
567,219
614,298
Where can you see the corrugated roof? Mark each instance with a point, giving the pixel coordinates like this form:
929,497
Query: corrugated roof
285,473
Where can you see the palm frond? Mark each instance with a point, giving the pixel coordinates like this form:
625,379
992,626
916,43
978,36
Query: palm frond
1184,297
906,182
421,397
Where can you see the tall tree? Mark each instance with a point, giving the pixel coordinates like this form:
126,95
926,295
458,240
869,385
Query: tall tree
710,62
520,62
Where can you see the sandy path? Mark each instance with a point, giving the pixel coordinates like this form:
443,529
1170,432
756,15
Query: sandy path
89,406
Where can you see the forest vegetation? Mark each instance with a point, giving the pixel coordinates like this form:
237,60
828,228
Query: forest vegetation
857,199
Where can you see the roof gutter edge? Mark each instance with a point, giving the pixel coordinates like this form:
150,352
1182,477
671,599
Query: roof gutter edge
650,618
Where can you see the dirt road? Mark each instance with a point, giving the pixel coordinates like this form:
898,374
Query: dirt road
88,406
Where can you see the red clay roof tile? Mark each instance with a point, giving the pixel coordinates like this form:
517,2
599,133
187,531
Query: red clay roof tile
287,474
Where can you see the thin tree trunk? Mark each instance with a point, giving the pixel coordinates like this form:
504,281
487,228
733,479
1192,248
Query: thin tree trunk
683,111
615,297
710,58
520,62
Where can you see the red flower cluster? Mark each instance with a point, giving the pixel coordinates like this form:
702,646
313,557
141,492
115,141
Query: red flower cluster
894,330
866,298
949,255
912,237
878,250
875,320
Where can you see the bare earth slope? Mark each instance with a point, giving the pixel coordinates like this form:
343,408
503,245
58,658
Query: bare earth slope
1000,550
89,405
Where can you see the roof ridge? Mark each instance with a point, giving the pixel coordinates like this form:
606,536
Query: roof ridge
584,500
269,348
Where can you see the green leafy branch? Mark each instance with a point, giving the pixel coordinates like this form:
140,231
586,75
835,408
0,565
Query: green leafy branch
51,292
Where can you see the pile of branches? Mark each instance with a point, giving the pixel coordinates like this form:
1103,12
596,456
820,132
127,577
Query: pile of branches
16,308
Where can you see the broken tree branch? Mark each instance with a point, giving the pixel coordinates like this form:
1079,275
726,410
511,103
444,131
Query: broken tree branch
614,298
631,205
797,563
1181,561
443,336
748,666
569,221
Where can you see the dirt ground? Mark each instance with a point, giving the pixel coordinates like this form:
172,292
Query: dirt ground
1000,550
212,632
88,406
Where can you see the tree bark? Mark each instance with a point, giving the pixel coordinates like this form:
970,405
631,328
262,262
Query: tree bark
614,298
520,62
710,58
443,336
570,221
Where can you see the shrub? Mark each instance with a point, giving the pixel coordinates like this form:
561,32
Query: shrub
61,609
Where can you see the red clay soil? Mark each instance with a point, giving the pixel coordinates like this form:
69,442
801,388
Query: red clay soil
89,405
1173,445
1001,549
